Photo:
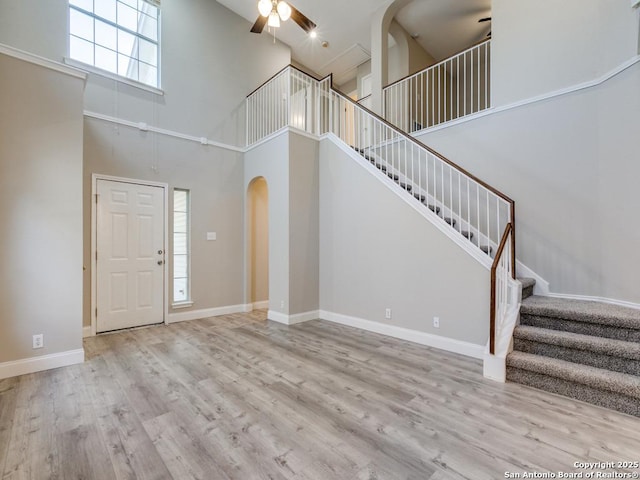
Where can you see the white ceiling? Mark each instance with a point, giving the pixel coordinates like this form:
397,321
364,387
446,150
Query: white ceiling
443,27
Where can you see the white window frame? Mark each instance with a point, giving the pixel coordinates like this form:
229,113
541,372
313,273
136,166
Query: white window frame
188,301
92,68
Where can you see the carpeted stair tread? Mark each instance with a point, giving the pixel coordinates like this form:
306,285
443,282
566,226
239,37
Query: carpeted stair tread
405,186
579,391
606,346
419,197
393,176
434,208
527,282
582,311
379,166
450,221
467,234
596,378
486,249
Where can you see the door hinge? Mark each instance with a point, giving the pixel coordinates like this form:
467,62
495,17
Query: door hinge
96,312
96,255
96,198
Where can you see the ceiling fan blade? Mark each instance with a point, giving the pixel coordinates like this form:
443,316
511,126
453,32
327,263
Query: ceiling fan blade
302,20
486,19
259,25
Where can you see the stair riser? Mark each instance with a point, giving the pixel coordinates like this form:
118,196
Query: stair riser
614,401
584,328
584,357
527,292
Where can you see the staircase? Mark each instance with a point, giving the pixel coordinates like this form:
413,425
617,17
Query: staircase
585,350
473,214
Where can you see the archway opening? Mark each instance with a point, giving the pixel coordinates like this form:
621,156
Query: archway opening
258,242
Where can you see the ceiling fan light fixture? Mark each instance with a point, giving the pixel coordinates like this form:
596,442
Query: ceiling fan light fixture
313,34
274,20
284,10
265,7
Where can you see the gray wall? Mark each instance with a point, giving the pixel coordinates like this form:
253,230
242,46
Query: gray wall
40,210
210,62
376,252
303,224
570,164
540,46
214,178
289,164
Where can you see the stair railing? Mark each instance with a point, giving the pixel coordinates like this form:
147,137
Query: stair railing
481,216
450,89
290,98
502,272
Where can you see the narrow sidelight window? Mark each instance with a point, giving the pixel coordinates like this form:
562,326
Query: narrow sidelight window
181,247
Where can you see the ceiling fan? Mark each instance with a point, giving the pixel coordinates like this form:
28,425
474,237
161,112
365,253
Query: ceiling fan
273,11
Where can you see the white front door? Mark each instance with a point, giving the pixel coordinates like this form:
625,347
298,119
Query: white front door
130,255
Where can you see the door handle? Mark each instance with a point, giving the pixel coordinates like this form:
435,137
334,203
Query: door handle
160,262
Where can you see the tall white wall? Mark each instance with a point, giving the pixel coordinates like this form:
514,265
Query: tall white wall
304,224
271,161
289,164
570,164
210,62
539,46
40,210
376,252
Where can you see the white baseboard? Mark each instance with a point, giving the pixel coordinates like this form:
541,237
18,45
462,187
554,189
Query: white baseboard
86,331
422,338
260,305
207,312
293,319
38,364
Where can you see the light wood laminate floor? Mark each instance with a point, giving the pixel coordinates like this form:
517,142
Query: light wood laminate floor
242,398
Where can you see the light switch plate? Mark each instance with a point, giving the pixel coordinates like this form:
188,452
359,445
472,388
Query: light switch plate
211,236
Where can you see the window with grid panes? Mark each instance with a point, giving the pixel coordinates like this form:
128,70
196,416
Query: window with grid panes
118,36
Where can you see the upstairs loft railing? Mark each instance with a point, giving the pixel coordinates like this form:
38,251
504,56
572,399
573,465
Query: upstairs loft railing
450,89
480,215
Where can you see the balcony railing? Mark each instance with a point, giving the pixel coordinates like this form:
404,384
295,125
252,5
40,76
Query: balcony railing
453,88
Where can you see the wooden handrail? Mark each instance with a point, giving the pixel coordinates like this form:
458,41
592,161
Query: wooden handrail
282,70
399,131
508,230
429,149
433,65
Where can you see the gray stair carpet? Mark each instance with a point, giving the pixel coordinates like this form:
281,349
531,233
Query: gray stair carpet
607,353
585,350
581,316
597,386
527,286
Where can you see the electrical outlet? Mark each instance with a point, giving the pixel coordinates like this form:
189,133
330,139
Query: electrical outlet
281,304
436,322
387,314
38,341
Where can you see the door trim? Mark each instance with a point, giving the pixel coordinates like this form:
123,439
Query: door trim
94,241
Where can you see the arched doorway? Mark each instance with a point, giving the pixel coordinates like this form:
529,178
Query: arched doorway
258,243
